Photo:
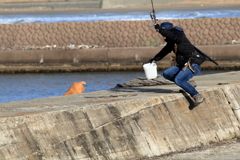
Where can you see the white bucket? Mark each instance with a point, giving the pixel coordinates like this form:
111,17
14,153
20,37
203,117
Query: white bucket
150,70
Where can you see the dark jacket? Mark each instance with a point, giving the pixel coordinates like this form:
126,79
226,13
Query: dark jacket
185,49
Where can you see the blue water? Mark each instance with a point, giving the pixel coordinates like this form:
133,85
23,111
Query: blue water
19,87
118,16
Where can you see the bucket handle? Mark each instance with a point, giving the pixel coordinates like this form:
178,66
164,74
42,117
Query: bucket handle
148,62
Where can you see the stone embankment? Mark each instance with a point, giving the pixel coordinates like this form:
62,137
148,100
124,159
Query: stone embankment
117,45
121,123
201,31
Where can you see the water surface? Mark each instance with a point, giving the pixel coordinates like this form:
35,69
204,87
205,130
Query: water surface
118,16
19,87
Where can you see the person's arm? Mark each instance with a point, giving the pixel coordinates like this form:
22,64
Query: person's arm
163,52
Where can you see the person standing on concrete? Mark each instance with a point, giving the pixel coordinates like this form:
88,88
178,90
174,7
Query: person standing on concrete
187,58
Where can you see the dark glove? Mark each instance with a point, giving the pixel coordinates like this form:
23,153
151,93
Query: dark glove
157,27
151,60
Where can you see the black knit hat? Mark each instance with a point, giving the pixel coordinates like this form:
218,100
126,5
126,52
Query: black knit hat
166,25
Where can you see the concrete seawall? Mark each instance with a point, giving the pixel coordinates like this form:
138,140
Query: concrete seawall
106,59
23,46
106,4
131,123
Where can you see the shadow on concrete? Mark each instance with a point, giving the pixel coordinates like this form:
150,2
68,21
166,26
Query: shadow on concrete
192,105
154,90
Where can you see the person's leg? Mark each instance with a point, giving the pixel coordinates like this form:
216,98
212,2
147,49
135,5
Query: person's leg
171,72
182,78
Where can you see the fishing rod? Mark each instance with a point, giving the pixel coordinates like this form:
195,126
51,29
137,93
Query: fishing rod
152,14
154,19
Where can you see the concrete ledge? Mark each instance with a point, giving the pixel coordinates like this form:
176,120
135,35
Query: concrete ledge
132,123
108,59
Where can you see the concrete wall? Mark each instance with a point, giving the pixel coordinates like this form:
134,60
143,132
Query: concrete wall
49,6
19,1
128,43
13,5
111,59
127,129
135,3
200,31
141,3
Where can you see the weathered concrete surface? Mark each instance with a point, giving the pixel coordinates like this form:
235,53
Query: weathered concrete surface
131,123
108,59
229,149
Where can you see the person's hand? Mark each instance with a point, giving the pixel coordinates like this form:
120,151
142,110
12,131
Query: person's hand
151,60
157,27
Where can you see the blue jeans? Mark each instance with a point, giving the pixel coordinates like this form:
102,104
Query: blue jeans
181,78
